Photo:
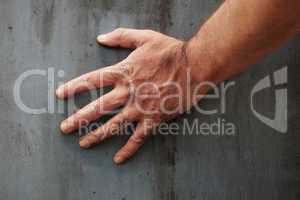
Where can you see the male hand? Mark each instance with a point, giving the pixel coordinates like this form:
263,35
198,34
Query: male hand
152,84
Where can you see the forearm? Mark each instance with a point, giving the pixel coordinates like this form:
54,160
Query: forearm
238,34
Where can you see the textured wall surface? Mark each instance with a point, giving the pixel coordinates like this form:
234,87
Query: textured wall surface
37,162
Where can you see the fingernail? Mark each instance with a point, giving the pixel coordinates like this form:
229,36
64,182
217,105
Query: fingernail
64,126
59,92
118,160
84,143
101,38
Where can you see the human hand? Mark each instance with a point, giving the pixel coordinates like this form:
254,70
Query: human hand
152,84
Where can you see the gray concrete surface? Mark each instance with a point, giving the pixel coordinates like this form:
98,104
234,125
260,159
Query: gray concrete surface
37,162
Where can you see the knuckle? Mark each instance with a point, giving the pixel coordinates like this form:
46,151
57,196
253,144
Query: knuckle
122,97
91,138
120,29
125,152
150,32
121,34
133,113
137,139
124,69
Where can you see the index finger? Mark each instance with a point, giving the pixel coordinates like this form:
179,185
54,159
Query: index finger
96,79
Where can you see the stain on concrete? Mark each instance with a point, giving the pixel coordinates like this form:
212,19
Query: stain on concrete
165,14
165,166
102,4
43,14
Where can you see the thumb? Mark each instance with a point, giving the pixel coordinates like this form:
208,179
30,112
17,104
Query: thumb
126,38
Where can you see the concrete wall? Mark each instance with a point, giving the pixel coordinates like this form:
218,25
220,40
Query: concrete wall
37,162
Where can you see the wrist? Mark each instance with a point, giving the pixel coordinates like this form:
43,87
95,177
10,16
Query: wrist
202,62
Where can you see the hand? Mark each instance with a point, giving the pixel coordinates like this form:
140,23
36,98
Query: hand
152,84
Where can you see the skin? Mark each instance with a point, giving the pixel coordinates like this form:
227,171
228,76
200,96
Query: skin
158,80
